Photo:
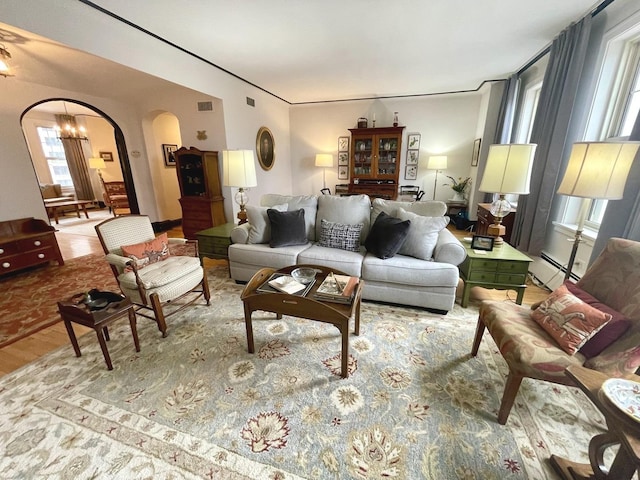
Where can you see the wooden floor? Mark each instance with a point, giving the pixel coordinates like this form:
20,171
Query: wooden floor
40,343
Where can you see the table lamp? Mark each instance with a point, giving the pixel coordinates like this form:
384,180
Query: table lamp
508,171
595,170
239,171
436,162
324,160
97,163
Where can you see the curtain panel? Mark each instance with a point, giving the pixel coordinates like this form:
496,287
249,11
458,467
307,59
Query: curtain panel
76,161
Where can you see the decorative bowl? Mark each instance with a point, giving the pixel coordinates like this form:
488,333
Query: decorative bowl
304,275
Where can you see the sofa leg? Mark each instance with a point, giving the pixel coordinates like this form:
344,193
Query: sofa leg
478,338
509,396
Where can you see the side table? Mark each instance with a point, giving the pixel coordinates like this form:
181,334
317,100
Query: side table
503,268
74,310
214,242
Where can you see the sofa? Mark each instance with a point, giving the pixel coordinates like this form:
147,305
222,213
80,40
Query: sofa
52,193
423,272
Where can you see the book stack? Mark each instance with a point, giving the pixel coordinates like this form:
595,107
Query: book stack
287,284
337,288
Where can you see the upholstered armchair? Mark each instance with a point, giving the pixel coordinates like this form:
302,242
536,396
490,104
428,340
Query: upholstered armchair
614,280
152,277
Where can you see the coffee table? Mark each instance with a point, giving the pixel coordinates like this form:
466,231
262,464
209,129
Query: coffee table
52,208
303,307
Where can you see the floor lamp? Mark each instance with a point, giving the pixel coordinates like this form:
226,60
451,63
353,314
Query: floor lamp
324,160
596,170
508,171
239,170
436,162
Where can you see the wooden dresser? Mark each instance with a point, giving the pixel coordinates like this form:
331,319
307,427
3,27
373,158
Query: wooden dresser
485,218
25,242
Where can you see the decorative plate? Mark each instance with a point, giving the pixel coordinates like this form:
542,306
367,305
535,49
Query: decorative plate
624,394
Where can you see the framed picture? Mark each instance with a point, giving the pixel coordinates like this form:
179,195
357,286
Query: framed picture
481,242
343,144
412,157
343,158
167,151
476,152
413,141
265,148
343,173
410,172
106,156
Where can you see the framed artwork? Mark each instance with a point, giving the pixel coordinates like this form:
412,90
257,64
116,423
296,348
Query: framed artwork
106,156
265,148
476,152
413,141
411,172
343,144
168,150
343,158
482,242
343,173
412,157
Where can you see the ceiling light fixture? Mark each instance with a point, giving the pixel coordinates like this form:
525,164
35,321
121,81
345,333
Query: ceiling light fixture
69,131
5,70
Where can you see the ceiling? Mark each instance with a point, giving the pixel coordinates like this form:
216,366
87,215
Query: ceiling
314,51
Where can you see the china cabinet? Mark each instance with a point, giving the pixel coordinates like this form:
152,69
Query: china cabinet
375,161
200,190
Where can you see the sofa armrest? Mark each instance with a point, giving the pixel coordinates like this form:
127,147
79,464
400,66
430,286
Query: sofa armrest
449,249
240,233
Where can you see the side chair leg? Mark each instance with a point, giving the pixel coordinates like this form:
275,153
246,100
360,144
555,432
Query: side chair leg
157,311
205,288
478,338
509,396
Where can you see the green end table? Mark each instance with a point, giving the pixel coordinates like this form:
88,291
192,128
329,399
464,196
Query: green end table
503,268
214,242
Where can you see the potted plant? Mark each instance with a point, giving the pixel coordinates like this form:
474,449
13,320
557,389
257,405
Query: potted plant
459,187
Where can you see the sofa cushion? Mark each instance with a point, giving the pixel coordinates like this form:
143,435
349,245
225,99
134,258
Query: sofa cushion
294,202
260,227
336,259
340,235
569,320
430,208
423,234
146,253
287,228
387,235
350,210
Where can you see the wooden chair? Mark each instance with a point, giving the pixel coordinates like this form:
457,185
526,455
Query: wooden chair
115,197
156,284
409,192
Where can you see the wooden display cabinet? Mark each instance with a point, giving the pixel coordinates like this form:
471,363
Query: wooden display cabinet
375,161
200,190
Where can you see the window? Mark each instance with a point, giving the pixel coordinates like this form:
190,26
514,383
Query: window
54,154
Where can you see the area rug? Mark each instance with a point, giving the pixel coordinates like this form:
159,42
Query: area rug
197,405
28,300
83,226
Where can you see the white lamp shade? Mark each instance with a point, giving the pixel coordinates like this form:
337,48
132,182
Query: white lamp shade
437,162
96,162
239,168
324,160
508,168
598,169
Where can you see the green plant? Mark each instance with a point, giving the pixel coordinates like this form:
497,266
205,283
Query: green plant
459,185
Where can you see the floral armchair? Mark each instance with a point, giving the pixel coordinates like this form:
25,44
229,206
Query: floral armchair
614,280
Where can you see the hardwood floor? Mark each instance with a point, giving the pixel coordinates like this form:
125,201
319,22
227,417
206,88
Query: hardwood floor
40,343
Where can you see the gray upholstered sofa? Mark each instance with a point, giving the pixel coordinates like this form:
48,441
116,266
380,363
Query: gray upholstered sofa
403,279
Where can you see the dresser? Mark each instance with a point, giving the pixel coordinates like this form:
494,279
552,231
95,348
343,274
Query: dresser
485,218
25,242
503,268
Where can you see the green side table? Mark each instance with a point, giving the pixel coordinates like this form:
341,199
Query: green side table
503,268
214,242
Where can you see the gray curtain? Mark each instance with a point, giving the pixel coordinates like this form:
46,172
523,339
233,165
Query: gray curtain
76,161
552,132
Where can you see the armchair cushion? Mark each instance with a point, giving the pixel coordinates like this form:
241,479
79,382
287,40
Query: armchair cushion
146,253
287,228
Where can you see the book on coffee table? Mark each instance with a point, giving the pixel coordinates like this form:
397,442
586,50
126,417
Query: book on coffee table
337,288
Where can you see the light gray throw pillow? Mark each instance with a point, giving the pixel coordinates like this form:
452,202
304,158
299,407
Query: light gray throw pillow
260,227
423,234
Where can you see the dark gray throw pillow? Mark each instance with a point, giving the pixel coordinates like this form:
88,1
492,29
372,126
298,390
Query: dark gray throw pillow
287,228
387,235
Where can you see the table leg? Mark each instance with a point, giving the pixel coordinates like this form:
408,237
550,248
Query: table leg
345,350
357,315
72,337
248,324
465,295
103,346
84,209
134,328
520,295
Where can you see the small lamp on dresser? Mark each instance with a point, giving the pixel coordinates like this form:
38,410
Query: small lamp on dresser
239,170
508,171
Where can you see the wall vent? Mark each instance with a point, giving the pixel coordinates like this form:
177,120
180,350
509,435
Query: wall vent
205,106
251,102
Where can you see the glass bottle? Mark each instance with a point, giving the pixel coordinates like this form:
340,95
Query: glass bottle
395,119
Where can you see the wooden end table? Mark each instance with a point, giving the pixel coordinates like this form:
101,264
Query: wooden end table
304,307
623,431
73,310
214,242
503,268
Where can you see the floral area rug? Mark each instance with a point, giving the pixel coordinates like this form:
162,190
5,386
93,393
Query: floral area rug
197,405
28,300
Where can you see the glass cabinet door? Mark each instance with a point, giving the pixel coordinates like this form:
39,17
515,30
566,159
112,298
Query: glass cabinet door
363,156
388,156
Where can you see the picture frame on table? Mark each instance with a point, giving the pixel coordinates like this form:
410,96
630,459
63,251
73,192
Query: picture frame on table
475,155
343,144
411,172
343,158
413,141
482,242
168,150
343,172
412,157
106,156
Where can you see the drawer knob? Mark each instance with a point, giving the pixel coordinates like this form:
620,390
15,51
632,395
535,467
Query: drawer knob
6,265
41,255
37,243
1,251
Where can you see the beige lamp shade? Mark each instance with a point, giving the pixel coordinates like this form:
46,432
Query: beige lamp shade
239,168
324,160
437,162
96,162
508,168
598,169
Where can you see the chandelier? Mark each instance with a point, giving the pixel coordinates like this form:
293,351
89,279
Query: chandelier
68,130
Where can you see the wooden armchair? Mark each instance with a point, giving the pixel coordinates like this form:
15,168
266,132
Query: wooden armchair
115,197
614,280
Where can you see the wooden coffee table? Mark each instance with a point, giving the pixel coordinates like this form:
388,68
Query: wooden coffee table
52,208
304,307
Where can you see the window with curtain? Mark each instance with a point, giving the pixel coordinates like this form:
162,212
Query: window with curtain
54,154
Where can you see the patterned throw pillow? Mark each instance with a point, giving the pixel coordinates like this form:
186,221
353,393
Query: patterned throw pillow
146,253
569,320
340,235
